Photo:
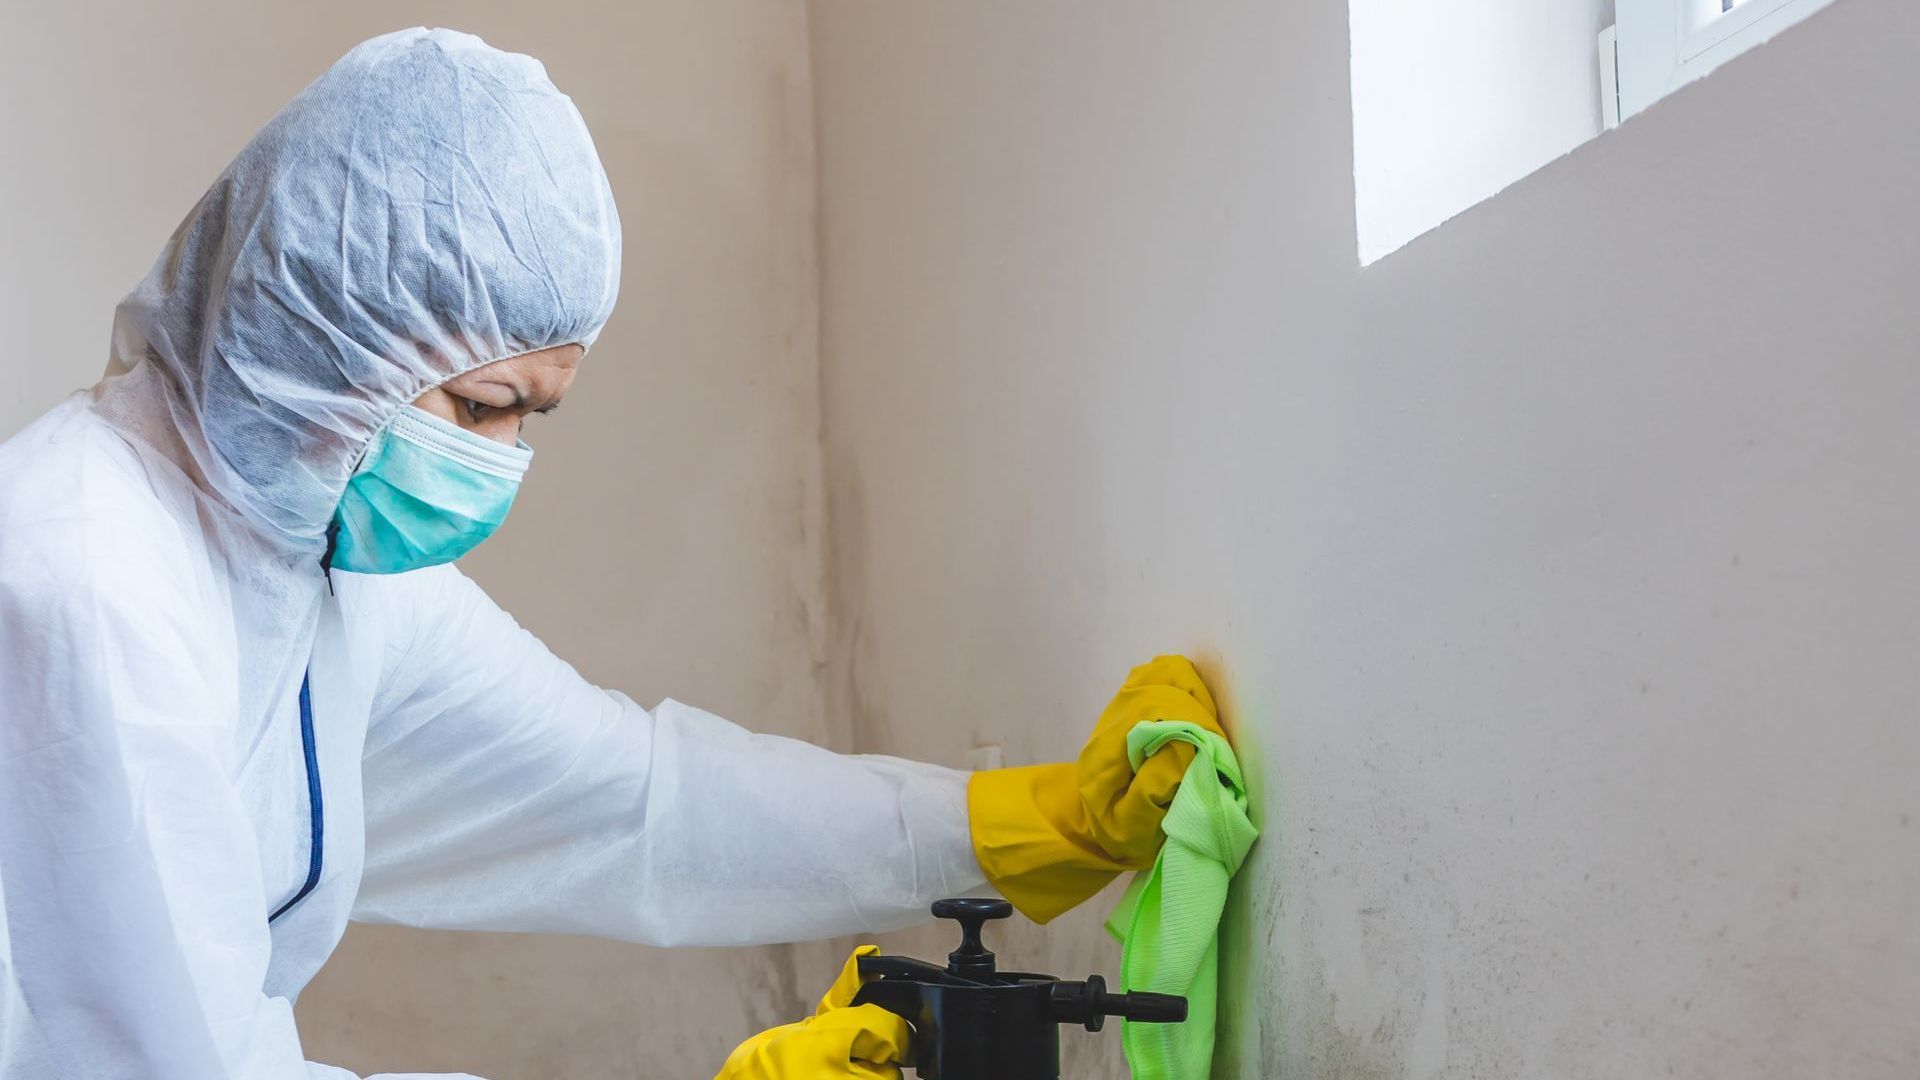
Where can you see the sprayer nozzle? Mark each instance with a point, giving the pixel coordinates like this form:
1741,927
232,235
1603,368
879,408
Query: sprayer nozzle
1088,1004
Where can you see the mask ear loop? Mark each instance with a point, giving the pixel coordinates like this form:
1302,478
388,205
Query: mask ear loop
373,443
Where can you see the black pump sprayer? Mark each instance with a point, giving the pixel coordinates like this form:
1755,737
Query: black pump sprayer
971,1022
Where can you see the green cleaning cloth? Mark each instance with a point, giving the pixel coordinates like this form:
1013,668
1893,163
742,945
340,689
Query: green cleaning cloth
1168,922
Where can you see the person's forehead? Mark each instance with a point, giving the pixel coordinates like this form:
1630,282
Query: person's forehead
547,363
560,356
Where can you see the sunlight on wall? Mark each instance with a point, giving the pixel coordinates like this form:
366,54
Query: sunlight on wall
1452,102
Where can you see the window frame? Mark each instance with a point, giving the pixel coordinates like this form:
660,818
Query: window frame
1665,44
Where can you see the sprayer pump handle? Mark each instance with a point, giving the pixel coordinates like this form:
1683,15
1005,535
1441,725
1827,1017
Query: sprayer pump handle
971,960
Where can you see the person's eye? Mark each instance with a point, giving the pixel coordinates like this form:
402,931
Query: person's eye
476,410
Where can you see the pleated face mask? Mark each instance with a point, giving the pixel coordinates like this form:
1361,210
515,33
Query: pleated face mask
426,493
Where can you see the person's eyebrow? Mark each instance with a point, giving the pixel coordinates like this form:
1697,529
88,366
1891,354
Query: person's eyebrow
519,392
548,407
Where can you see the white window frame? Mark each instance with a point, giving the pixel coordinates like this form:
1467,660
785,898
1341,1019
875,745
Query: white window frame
1665,44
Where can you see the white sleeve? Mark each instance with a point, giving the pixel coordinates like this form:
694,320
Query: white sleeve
336,1073
133,934
505,792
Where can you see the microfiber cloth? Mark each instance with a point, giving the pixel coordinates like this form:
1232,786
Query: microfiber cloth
1168,922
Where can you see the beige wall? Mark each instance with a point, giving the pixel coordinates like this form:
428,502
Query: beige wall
1557,571
668,540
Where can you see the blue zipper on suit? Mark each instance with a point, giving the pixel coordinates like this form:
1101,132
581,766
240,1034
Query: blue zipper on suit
315,807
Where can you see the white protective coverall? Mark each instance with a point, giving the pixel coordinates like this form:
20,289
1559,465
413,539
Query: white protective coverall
425,207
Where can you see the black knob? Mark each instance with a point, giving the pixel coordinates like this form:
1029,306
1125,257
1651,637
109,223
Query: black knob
971,960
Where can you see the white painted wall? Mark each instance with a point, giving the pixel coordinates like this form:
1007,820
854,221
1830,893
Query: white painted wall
668,540
1557,573
1454,101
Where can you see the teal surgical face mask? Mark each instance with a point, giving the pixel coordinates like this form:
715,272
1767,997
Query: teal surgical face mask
427,492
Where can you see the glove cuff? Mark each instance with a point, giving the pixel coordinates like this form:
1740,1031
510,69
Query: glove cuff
1023,822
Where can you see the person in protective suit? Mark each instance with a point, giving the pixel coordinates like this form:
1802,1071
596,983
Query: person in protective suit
245,696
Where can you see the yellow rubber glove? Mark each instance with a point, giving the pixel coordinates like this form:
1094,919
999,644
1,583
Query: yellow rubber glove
1050,836
839,1041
